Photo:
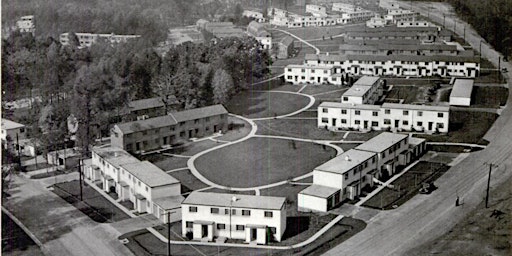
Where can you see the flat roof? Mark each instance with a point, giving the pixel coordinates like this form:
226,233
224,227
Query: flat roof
115,155
393,57
357,90
8,124
319,191
146,103
169,202
149,174
197,113
242,201
381,142
462,88
308,66
416,107
349,106
416,141
367,80
345,162
387,46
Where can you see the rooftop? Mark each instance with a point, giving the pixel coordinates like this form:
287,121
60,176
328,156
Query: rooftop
146,103
367,80
242,201
197,113
416,107
349,106
146,124
381,142
149,174
115,156
462,88
357,90
169,202
8,124
395,57
319,191
346,161
416,141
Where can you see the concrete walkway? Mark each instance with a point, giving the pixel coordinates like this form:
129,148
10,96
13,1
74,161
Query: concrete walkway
310,104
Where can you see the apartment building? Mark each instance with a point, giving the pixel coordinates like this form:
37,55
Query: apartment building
88,39
400,49
390,149
26,24
344,7
398,117
145,108
256,15
316,10
461,92
258,31
338,179
355,16
366,90
254,219
302,74
398,15
164,131
415,24
148,187
376,21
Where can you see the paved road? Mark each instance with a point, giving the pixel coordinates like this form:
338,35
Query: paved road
425,218
61,228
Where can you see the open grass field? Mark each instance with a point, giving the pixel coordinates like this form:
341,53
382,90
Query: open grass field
265,104
298,128
409,94
323,89
261,161
489,97
188,181
93,205
465,127
407,185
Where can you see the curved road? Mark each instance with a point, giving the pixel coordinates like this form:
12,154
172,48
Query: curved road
424,218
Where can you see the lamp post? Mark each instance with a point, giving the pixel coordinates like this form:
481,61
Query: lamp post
488,183
169,233
233,199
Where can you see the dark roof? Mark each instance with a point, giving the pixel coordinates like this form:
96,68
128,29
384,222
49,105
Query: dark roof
337,57
197,113
146,103
146,124
408,47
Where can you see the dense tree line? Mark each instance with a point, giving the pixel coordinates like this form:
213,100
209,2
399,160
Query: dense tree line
491,19
95,84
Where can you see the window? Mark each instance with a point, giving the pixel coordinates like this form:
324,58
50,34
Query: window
440,114
196,121
344,111
419,123
269,214
312,71
405,122
221,226
420,113
182,123
147,189
373,159
406,112
233,211
325,120
357,122
214,210
343,121
192,209
345,98
387,121
226,211
189,224
375,113
325,110
375,123
207,119
358,112
387,111
289,70
440,125
246,213
345,176
171,128
240,227
182,134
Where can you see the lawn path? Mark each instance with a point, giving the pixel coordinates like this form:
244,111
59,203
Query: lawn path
311,103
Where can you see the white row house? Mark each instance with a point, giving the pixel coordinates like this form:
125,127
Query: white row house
88,39
256,15
355,16
366,90
344,7
254,219
397,117
301,74
377,65
316,10
148,187
344,176
399,15
416,24
401,49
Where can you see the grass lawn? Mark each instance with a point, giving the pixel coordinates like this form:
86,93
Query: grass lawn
50,174
188,181
452,148
409,94
168,163
489,97
218,190
347,146
93,205
300,128
265,104
362,136
239,128
328,89
409,184
465,127
490,77
259,161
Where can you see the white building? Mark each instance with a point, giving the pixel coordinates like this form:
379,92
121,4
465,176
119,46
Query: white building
256,15
366,90
378,65
316,10
254,219
415,24
87,39
12,132
343,7
355,16
148,187
398,117
258,31
26,24
302,74
376,22
338,179
399,15
461,92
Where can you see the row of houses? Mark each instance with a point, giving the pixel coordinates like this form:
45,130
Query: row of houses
328,68
88,39
345,176
148,187
163,131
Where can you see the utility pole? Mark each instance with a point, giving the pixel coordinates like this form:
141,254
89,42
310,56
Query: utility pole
444,18
169,233
18,148
80,177
464,33
488,183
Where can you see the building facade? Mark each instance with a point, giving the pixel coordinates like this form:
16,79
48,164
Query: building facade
88,39
12,133
316,10
366,90
461,92
258,31
164,131
254,219
146,108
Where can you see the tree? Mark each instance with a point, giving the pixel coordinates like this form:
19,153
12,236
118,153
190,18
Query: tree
222,86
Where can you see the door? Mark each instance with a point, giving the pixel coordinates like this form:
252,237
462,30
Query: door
365,124
165,140
334,122
253,234
137,146
397,123
430,124
204,230
190,133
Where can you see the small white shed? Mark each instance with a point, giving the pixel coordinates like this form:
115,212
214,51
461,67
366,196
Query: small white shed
461,92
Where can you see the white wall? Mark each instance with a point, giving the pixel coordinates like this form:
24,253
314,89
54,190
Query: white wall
460,101
328,179
311,202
